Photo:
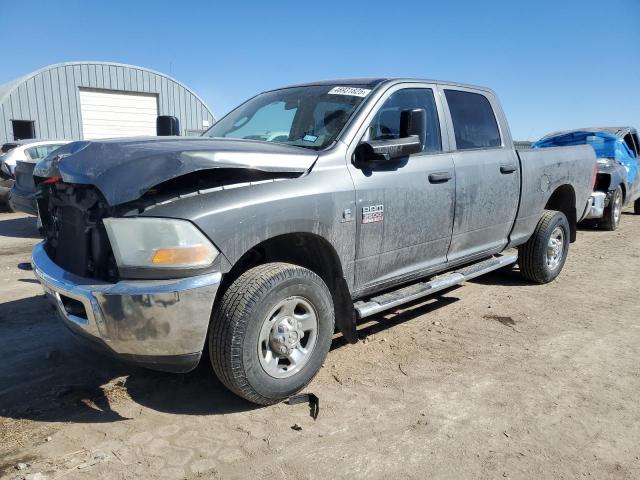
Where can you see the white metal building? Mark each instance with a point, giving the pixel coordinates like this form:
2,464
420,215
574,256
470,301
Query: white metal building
90,100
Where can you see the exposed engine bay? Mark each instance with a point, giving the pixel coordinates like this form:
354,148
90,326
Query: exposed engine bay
76,239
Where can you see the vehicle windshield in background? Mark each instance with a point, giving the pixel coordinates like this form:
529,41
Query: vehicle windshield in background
310,117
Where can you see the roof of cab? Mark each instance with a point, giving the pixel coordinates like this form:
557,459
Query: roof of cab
375,82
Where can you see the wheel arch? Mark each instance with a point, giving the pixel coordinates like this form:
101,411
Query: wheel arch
624,192
563,199
308,250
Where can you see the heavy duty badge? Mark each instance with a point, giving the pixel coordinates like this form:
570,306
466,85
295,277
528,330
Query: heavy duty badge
374,213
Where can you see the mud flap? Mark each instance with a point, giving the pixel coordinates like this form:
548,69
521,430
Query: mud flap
344,312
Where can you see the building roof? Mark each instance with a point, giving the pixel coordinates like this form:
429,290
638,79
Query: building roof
7,88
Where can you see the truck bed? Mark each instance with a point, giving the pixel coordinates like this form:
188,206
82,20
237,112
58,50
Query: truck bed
543,172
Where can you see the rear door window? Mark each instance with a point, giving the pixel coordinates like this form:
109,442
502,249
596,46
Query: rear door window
474,122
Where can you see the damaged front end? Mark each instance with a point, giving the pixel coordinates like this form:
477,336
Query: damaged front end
84,183
160,323
75,236
141,287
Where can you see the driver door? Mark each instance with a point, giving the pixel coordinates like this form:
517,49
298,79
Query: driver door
405,206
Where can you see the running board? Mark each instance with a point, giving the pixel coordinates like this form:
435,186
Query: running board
366,308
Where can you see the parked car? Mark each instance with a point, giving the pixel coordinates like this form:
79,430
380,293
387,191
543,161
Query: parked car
18,160
618,178
6,176
155,246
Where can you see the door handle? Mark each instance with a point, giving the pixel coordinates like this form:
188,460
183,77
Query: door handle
439,177
510,168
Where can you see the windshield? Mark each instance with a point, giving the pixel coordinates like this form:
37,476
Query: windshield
310,117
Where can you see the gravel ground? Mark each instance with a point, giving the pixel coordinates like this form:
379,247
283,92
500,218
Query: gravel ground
495,379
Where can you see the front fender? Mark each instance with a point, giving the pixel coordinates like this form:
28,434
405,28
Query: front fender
239,217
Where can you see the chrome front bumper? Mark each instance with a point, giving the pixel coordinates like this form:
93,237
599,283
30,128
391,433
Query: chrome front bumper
161,324
597,204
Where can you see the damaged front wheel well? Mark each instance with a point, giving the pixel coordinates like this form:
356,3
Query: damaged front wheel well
306,250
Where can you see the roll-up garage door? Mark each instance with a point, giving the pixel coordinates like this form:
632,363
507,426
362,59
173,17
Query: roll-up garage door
107,114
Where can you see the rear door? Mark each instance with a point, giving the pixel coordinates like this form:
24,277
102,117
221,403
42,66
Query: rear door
404,207
487,173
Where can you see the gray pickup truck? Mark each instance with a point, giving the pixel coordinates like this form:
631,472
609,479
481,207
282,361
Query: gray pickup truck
302,211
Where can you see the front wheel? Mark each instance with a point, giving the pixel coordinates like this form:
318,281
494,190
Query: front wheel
271,332
636,207
613,212
541,259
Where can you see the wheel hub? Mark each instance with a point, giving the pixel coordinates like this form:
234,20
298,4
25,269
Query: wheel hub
288,337
555,248
285,335
617,207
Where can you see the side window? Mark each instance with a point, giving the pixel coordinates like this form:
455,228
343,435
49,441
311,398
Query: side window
31,153
474,122
37,153
635,140
386,123
48,149
628,139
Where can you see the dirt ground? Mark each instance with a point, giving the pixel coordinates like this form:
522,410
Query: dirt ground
495,379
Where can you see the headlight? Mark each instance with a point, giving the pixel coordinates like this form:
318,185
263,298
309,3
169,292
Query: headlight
158,243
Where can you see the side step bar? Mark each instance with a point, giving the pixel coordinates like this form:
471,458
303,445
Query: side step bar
366,308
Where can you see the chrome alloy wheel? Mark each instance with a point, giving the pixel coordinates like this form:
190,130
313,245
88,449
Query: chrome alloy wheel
555,248
287,337
617,207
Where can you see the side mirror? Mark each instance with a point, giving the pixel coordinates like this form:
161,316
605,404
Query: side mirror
414,122
412,137
385,150
167,126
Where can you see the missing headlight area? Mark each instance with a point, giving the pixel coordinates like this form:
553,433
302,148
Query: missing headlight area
76,239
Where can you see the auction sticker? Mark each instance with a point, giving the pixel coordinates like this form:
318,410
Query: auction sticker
351,91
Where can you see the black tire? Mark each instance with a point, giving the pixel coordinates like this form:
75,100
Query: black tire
613,212
532,256
238,321
636,207
8,204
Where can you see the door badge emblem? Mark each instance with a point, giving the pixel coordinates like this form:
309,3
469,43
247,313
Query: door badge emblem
373,213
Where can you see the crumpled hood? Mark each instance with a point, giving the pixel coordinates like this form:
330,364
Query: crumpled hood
124,169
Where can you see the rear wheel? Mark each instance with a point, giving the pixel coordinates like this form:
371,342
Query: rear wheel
613,212
541,259
636,207
271,332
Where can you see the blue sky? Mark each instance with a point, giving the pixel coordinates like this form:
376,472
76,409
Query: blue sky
555,64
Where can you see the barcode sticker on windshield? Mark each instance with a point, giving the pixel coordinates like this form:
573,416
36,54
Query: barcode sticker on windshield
351,91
